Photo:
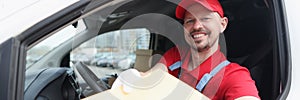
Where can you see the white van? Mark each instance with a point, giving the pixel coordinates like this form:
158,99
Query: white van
44,41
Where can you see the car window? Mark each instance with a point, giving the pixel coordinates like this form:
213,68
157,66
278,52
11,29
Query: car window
112,52
39,50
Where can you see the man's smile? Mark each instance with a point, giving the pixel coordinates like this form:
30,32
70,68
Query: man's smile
198,35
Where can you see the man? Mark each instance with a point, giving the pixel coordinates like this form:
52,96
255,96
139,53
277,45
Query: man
201,64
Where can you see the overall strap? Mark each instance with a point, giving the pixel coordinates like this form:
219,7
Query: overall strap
206,77
175,65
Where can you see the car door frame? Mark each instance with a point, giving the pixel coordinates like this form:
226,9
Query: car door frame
13,50
282,51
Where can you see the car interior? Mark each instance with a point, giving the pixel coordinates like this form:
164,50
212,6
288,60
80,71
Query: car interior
249,40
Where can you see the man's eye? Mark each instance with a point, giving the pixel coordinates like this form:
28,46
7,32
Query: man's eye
188,21
205,19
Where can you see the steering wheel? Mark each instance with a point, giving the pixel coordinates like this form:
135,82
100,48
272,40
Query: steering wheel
91,79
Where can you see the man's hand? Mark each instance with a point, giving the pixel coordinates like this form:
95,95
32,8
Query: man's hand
155,67
247,98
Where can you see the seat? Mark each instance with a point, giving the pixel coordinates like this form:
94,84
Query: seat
142,62
222,43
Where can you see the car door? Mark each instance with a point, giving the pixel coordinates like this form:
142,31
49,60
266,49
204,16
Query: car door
13,49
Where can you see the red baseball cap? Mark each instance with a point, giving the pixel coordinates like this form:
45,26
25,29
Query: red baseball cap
213,5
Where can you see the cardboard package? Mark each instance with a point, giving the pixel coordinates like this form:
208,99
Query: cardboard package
155,85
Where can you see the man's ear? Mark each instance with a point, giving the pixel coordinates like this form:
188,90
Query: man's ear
224,22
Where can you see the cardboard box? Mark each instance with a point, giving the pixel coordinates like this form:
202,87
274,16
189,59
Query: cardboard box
155,85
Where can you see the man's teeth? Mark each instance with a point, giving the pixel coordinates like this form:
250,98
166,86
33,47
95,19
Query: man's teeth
198,35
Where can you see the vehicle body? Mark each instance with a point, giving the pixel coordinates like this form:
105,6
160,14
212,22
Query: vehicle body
126,63
80,57
109,61
262,35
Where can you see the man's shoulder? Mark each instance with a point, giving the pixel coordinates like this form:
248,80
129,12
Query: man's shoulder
236,69
174,54
234,65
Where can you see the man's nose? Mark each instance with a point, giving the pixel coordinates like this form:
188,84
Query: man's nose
198,25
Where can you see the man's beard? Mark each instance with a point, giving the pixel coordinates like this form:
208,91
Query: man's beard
200,49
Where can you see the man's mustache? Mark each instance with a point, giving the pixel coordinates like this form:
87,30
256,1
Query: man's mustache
202,31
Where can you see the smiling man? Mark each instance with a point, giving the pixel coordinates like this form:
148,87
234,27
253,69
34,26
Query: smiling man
201,64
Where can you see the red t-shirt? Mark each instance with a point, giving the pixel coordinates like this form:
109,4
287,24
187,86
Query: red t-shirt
231,82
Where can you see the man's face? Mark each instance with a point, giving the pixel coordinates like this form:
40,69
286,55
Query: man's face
203,27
